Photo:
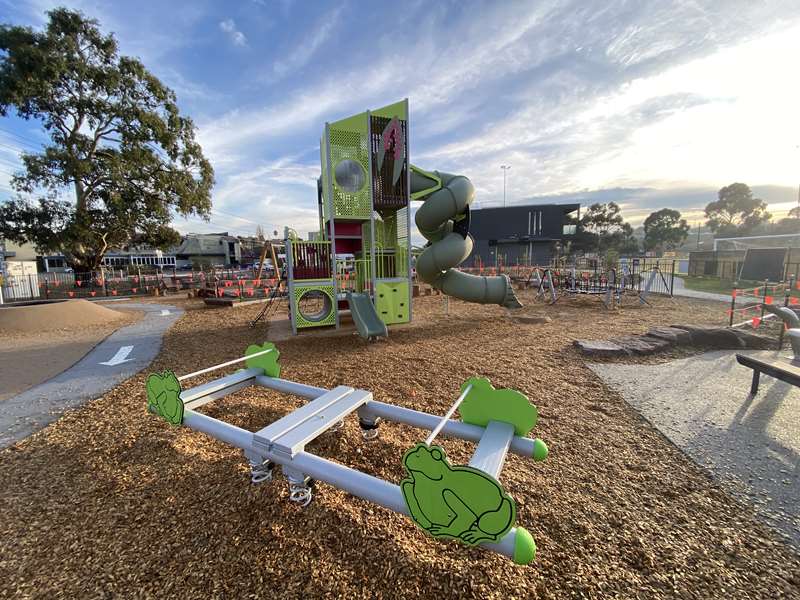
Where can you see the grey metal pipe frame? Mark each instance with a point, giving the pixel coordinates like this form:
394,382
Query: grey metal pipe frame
290,278
350,480
373,409
290,387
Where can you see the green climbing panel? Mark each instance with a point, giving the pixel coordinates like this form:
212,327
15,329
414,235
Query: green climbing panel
164,396
391,301
458,502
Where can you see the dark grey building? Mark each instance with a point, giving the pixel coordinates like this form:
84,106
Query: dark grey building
521,234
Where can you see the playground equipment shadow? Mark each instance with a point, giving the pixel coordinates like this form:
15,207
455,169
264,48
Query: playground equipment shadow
109,501
751,445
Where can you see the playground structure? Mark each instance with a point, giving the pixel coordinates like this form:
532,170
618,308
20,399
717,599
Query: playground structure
360,259
612,285
447,501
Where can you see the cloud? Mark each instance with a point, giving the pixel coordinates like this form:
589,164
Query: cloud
307,48
228,26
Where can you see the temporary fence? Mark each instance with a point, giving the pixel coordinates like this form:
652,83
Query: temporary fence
106,284
751,302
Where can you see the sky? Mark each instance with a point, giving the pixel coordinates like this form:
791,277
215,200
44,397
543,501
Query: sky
651,104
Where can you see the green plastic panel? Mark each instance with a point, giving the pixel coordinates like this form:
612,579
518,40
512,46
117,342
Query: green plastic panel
455,502
391,301
485,403
266,362
329,318
164,396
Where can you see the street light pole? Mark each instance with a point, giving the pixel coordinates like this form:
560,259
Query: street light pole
505,169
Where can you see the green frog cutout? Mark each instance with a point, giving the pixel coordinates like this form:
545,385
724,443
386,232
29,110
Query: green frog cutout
455,502
163,396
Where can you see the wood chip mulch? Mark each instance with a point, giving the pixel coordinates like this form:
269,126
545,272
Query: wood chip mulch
112,502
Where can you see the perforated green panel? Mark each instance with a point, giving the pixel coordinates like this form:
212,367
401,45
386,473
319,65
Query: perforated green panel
353,146
329,318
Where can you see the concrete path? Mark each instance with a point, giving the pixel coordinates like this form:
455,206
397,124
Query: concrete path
679,289
702,404
121,355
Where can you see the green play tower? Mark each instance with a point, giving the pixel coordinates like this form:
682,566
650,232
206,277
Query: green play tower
360,259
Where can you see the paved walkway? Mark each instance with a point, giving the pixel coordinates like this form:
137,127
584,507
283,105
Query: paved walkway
702,404
121,355
680,289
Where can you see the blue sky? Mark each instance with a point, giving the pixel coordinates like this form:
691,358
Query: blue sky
649,103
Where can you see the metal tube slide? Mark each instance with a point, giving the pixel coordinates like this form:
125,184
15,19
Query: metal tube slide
448,246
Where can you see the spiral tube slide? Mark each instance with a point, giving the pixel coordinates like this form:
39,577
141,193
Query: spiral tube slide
447,246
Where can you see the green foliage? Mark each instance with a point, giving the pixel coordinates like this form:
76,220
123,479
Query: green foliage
602,228
117,141
665,230
736,211
788,225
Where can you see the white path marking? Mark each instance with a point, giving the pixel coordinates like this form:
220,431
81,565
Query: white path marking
120,357
164,312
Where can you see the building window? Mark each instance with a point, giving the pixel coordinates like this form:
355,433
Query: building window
569,229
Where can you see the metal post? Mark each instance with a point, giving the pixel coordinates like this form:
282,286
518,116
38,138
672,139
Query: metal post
733,307
505,169
332,219
764,298
408,211
786,292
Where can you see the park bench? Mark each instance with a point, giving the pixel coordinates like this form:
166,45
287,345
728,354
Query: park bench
780,368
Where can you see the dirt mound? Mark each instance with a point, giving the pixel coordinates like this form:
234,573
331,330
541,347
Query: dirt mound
71,314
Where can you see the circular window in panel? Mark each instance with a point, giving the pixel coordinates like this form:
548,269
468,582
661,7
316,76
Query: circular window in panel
314,306
350,175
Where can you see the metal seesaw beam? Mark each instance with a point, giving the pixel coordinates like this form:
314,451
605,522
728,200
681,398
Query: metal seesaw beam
523,446
355,482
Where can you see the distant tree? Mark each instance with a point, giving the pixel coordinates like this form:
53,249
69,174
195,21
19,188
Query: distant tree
625,242
795,213
665,230
736,211
786,225
602,228
118,144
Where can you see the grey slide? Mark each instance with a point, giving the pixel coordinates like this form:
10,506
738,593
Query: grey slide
365,316
448,245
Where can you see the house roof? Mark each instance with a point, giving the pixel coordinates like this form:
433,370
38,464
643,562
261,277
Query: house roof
204,244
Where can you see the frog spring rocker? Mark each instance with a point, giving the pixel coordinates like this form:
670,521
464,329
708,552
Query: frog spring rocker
465,503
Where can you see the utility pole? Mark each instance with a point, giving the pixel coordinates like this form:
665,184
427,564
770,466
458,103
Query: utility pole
505,170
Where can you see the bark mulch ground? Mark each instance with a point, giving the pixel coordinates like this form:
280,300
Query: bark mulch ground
110,501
